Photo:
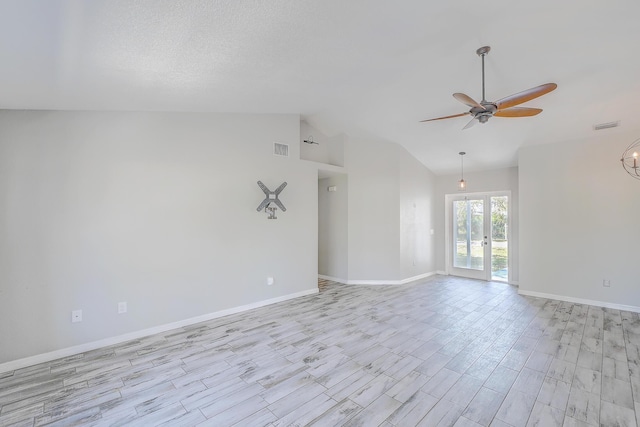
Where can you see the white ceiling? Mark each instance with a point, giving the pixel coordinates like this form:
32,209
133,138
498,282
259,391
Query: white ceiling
367,68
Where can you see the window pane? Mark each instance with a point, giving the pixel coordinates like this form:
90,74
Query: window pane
499,242
468,234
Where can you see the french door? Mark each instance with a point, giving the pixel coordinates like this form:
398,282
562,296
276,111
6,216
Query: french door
478,235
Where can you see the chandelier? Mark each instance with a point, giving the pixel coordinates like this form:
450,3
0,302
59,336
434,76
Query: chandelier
630,159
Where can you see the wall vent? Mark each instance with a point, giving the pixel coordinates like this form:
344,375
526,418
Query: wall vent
280,149
606,125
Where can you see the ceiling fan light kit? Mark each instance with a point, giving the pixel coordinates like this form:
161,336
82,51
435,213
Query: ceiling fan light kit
631,159
506,107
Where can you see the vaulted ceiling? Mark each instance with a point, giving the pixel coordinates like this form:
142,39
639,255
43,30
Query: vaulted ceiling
366,68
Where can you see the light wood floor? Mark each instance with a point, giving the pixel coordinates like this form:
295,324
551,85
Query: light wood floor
444,351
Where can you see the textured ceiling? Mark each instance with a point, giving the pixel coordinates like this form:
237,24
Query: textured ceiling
367,68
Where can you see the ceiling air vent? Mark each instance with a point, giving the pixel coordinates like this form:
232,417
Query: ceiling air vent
606,125
280,149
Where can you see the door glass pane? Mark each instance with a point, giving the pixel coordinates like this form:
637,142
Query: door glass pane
499,242
468,251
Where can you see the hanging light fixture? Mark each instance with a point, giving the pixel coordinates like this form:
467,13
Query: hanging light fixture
462,184
310,140
631,159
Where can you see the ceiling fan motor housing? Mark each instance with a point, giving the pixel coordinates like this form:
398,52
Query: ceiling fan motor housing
484,114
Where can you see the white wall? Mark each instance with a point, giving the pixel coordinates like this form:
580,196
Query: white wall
386,233
155,209
417,217
333,227
374,217
579,215
477,182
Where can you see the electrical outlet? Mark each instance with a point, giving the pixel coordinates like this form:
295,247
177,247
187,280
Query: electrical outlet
122,307
270,281
606,283
76,316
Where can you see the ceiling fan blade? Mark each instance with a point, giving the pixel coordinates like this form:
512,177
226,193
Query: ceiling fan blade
471,123
467,100
518,112
445,117
525,95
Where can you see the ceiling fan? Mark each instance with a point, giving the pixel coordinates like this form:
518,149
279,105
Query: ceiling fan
506,107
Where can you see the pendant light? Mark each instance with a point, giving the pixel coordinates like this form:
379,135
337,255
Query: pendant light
631,160
462,184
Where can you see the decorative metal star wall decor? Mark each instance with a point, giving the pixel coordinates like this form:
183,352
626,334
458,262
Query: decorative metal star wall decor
271,197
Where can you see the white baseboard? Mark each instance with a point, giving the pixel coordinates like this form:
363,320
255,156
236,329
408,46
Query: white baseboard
333,279
390,282
444,273
622,307
70,351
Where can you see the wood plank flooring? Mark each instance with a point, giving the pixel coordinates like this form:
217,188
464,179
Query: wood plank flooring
440,352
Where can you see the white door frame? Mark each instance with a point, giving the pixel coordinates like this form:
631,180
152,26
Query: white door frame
448,201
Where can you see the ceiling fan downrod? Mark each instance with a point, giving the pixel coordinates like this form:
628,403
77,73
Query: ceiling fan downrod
481,53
